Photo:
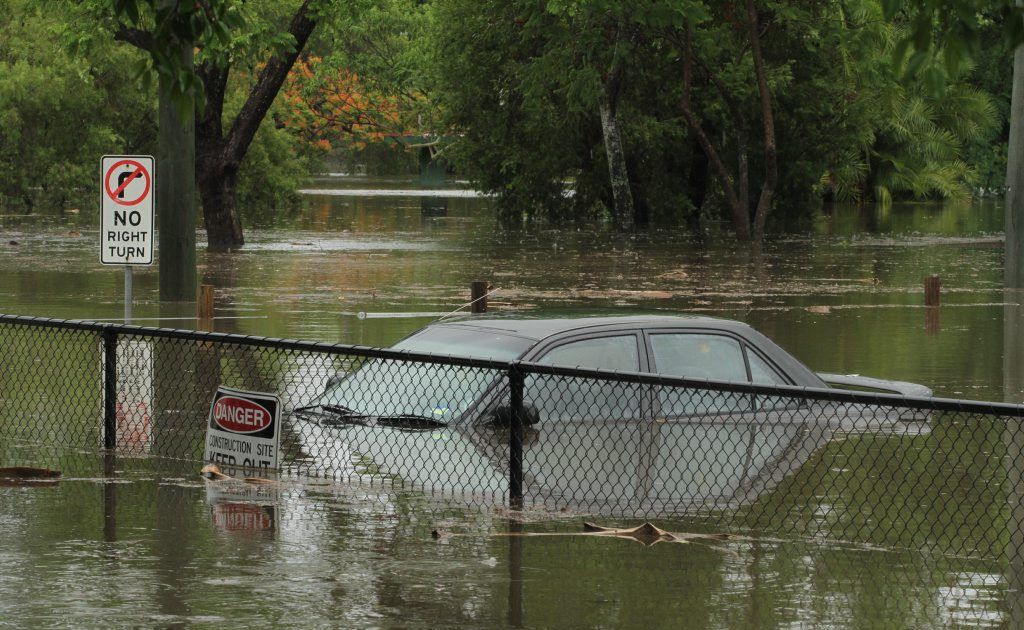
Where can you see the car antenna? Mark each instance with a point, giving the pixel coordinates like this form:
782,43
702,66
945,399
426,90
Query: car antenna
469,303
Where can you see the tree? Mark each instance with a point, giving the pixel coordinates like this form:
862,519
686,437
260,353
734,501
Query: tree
957,24
736,187
539,92
227,35
219,154
912,141
728,106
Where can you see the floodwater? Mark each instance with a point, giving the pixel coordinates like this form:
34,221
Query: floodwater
143,542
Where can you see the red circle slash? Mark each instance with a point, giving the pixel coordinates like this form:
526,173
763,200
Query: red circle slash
140,171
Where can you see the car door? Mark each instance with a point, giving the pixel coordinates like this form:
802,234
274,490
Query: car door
710,446
586,446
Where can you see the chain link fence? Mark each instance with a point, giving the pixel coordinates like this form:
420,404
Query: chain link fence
897,472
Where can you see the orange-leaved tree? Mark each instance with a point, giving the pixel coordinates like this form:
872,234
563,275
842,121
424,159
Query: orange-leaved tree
329,107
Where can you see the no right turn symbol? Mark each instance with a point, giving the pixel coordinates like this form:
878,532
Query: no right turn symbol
127,182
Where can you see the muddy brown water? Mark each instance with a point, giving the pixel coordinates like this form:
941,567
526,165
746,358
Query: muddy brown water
145,542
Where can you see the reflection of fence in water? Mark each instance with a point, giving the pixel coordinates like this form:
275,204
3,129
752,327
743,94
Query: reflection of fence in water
914,473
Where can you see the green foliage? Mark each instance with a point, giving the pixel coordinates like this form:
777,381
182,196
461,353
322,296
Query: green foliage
959,25
58,114
60,111
171,26
913,138
521,82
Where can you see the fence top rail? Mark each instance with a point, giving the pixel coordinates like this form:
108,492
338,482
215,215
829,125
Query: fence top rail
799,392
251,340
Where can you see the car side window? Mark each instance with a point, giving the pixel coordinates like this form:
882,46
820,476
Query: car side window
699,356
695,355
560,398
607,353
762,373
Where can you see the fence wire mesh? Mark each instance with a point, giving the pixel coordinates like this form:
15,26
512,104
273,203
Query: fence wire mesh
883,470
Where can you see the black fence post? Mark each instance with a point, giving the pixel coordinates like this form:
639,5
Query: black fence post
516,381
109,388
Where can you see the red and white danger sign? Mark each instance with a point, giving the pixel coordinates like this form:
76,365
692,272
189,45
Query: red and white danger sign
243,429
127,200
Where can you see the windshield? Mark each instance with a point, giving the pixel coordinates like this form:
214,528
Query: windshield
388,387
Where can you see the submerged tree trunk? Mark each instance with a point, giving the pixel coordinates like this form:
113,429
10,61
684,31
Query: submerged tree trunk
736,185
220,212
1014,211
622,196
735,200
219,155
618,174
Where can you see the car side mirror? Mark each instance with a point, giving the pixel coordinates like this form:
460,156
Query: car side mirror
502,415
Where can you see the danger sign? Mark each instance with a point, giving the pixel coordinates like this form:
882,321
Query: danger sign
243,429
127,200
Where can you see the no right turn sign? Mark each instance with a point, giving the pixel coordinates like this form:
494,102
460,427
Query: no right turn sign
127,225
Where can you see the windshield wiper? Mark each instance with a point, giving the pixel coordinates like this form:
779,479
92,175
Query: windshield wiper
342,410
340,415
409,422
332,414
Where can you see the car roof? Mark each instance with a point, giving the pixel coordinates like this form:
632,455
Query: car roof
541,327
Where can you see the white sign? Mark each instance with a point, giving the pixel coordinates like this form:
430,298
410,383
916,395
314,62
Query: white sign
127,188
134,395
243,429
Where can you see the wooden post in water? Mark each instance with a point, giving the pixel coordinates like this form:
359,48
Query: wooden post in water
932,299
932,289
204,306
478,296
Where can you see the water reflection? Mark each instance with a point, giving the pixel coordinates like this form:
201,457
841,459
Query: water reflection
184,552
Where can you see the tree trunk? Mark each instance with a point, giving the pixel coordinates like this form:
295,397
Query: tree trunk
740,214
220,212
175,198
622,196
220,154
618,175
1014,210
771,166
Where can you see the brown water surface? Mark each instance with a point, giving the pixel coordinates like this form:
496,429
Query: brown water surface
143,542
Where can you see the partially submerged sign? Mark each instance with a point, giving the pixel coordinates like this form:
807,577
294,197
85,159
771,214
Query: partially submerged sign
126,191
243,429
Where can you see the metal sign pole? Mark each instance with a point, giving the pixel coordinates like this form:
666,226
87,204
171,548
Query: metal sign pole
128,297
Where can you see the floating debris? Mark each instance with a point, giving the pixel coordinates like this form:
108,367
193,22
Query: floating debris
213,473
646,534
820,310
25,475
26,472
677,274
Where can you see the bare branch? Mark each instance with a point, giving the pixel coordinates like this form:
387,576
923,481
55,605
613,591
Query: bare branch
134,36
262,95
725,178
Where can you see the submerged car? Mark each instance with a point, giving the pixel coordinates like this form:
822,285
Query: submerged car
597,444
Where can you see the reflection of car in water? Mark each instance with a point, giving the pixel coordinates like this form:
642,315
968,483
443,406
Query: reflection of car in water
596,444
